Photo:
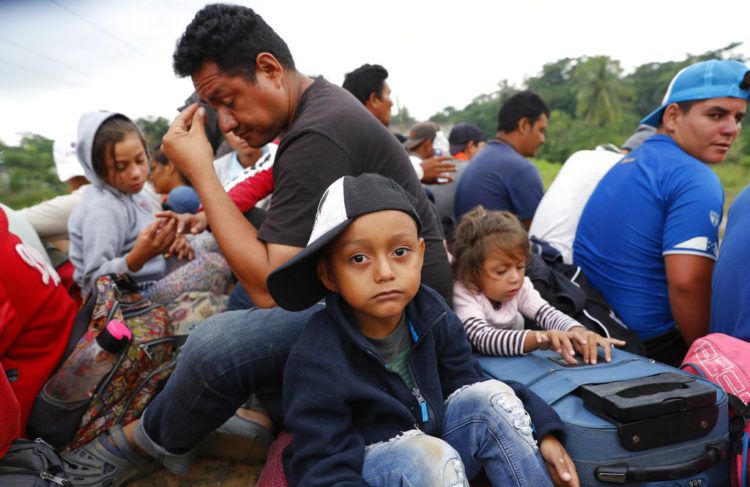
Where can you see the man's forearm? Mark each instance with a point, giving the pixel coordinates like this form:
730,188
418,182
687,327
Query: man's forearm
236,237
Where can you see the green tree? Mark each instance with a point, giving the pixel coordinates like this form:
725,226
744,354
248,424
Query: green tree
554,85
599,90
403,119
153,129
30,174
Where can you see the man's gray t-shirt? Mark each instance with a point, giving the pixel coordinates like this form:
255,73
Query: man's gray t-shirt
333,135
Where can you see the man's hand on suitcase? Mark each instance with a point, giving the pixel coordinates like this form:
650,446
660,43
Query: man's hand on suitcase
560,465
586,343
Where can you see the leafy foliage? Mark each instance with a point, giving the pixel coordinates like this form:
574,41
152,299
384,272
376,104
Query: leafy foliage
153,129
27,172
591,101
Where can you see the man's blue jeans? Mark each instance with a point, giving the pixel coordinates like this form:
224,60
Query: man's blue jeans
227,358
485,426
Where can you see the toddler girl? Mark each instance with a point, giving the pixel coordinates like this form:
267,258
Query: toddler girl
113,229
492,296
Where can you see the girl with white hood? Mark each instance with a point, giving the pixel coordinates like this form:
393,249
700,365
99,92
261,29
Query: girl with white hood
113,230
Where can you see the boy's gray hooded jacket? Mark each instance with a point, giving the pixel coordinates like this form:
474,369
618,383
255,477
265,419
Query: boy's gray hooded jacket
103,228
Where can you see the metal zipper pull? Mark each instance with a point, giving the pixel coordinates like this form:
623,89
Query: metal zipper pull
422,404
55,480
143,347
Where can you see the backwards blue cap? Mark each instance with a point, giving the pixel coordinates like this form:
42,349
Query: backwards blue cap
701,81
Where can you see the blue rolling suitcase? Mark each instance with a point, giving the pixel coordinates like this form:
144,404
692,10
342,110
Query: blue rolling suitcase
631,421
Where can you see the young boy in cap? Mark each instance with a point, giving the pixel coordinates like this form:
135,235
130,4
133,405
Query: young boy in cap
381,388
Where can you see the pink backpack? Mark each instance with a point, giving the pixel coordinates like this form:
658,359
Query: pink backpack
725,361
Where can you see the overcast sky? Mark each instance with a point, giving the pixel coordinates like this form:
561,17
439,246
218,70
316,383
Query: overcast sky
59,58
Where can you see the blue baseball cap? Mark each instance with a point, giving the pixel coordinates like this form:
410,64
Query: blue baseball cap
704,80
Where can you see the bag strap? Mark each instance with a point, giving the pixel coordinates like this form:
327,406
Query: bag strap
53,479
698,371
738,422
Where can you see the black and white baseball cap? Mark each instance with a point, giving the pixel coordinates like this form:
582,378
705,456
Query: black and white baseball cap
295,285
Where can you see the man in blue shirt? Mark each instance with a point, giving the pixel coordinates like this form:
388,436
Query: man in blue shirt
730,289
500,177
648,236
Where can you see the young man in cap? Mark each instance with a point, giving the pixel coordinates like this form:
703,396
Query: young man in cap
500,177
399,400
430,168
245,71
465,139
648,235
557,215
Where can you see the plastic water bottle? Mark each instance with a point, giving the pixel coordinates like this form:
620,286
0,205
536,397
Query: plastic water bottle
87,366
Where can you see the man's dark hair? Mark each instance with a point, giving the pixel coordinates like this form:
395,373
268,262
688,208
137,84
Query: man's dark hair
366,79
524,104
231,36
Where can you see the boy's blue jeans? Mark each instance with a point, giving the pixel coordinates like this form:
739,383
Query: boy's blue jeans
227,358
485,425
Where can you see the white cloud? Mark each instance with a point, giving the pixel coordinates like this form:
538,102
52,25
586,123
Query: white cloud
438,53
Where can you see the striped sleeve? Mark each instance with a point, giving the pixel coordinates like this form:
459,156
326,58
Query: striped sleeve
550,318
494,341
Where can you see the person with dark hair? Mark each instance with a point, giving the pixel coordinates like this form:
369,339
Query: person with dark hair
557,215
179,196
431,168
500,177
244,70
648,235
368,85
466,140
113,229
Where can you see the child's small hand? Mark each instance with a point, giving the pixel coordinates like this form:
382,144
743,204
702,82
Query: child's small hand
186,222
559,342
587,342
560,465
535,340
181,248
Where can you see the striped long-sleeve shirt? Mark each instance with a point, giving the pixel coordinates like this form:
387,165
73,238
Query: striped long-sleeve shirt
497,329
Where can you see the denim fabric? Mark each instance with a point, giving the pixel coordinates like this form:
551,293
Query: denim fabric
183,199
489,427
239,299
228,358
485,426
413,459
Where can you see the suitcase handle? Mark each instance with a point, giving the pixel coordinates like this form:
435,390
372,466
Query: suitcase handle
622,473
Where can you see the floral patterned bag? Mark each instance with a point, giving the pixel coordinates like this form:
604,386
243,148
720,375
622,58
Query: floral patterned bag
137,376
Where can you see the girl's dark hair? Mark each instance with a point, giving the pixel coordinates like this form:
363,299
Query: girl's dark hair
159,157
481,232
112,131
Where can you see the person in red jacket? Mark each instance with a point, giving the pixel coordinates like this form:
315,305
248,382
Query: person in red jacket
36,316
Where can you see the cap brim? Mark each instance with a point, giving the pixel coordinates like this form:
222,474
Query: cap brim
295,284
654,118
455,148
412,143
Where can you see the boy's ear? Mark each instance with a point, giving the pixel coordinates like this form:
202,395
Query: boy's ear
324,274
421,249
